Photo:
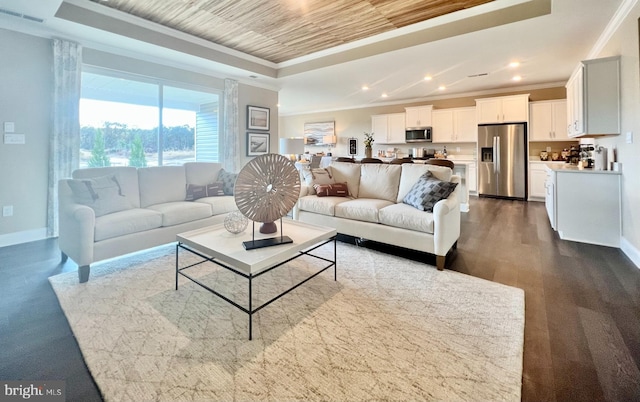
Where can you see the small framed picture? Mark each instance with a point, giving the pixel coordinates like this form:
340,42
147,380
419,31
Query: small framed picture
257,144
257,118
353,146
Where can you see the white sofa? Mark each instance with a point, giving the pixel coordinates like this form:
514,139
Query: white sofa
149,209
375,209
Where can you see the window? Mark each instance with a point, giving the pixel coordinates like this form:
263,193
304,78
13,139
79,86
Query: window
135,121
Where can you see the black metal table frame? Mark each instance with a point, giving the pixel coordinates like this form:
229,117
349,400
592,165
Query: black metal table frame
250,277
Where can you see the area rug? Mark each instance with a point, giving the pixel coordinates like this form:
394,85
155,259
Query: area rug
389,329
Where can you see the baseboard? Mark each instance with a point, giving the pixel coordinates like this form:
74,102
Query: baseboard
25,236
631,252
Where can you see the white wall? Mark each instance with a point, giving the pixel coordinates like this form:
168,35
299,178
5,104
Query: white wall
625,43
25,98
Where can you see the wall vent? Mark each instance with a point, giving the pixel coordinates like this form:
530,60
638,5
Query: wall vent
20,15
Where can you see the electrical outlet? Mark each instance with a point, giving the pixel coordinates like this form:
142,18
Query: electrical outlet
7,210
457,149
629,137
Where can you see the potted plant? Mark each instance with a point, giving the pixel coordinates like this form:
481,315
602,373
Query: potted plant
368,141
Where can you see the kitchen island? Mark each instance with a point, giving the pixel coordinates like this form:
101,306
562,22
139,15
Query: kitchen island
583,205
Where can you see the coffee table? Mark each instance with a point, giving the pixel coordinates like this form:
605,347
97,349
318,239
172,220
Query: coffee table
216,245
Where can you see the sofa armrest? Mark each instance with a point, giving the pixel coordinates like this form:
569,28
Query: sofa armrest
76,226
446,221
304,191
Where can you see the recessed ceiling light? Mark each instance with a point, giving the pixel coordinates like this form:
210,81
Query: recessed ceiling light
514,64
442,87
428,78
517,78
277,105
365,88
384,95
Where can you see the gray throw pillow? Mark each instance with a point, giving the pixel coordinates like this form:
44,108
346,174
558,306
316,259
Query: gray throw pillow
228,181
195,192
103,194
427,191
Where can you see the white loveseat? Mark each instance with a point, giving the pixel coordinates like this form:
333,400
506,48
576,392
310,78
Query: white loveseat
375,209
147,208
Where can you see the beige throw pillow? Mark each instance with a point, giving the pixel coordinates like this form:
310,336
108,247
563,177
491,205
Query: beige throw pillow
103,194
317,176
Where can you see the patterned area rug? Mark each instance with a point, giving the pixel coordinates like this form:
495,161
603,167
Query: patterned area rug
389,329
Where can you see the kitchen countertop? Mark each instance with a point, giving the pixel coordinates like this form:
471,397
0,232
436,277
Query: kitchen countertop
565,168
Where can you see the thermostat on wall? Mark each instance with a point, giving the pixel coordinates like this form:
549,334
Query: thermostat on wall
9,127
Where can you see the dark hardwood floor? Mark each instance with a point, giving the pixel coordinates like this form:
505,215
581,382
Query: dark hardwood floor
582,329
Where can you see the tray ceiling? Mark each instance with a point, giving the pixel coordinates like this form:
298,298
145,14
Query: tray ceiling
283,30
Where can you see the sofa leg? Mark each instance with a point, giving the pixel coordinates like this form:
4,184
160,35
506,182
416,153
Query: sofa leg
440,260
63,257
83,273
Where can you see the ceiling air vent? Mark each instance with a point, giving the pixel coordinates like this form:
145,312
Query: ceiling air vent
20,15
477,75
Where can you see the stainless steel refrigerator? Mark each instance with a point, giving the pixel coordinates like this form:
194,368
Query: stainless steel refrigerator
502,162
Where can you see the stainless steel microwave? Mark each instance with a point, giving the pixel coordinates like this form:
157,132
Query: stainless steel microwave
418,134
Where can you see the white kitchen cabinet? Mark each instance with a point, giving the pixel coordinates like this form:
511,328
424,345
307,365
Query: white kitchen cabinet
587,205
454,125
503,109
538,178
593,98
418,116
548,121
388,128
472,177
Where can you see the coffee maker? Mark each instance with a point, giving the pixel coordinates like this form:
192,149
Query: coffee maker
587,152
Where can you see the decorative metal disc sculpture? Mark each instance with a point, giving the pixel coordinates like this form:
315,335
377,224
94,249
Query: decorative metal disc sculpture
266,189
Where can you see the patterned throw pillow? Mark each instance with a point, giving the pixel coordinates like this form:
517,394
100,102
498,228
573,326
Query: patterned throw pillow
103,194
428,191
317,176
215,189
194,192
228,181
335,190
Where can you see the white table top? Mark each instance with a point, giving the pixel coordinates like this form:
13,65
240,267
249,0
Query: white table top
215,241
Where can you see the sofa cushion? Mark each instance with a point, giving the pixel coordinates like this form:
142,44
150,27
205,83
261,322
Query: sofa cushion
103,194
361,209
379,180
220,205
345,172
175,213
406,217
335,190
202,173
411,172
127,178
160,184
427,191
126,222
228,181
315,176
320,205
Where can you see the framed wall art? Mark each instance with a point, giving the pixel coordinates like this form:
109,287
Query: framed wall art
353,146
257,118
314,133
257,144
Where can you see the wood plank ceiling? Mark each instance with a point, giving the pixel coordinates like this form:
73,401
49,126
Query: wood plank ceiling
281,30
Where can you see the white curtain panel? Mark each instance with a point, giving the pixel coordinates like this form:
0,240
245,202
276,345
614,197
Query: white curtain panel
64,141
231,135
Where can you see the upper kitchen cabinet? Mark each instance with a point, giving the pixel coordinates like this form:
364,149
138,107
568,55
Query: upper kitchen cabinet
454,125
548,121
593,98
388,128
419,116
503,109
